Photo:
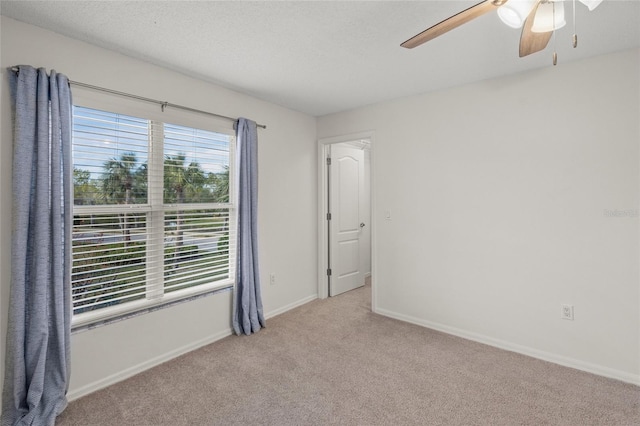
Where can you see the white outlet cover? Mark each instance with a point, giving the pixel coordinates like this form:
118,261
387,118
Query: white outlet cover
566,312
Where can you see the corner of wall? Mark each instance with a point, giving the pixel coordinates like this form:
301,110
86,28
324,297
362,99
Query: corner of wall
524,350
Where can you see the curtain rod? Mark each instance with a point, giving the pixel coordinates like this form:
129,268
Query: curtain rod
162,104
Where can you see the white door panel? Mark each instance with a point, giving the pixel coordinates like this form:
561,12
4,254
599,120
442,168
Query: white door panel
347,172
348,261
346,189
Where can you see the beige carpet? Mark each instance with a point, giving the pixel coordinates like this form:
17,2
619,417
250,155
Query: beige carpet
334,362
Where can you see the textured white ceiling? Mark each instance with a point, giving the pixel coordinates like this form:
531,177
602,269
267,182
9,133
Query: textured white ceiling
321,57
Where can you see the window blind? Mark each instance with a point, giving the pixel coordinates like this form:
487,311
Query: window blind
153,218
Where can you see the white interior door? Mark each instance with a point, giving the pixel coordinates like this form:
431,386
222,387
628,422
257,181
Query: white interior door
346,183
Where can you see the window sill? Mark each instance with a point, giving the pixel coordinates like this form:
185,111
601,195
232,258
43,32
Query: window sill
91,320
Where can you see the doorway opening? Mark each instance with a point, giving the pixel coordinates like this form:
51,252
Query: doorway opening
346,226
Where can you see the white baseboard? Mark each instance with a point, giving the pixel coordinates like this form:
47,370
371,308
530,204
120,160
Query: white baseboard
290,306
132,371
513,347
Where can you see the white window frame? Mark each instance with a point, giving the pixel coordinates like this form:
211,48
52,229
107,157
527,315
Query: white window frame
155,207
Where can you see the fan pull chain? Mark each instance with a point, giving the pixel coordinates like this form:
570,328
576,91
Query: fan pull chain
575,33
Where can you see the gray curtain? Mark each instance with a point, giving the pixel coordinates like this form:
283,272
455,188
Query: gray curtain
37,350
247,314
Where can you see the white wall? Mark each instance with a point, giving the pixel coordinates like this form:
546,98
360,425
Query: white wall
499,193
287,153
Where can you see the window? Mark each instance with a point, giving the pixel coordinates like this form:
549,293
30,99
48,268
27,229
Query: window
153,216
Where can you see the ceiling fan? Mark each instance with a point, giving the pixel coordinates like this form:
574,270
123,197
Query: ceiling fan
537,18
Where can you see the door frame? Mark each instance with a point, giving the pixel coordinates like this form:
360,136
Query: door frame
323,261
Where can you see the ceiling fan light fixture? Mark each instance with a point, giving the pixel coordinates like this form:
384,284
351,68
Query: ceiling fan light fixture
591,4
514,12
549,17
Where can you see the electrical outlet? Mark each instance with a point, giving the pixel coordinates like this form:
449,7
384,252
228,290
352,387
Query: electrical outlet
272,279
566,312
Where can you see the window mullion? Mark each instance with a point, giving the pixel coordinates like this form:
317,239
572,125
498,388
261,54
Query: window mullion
155,236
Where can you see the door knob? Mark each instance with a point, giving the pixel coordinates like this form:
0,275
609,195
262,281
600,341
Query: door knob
362,225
